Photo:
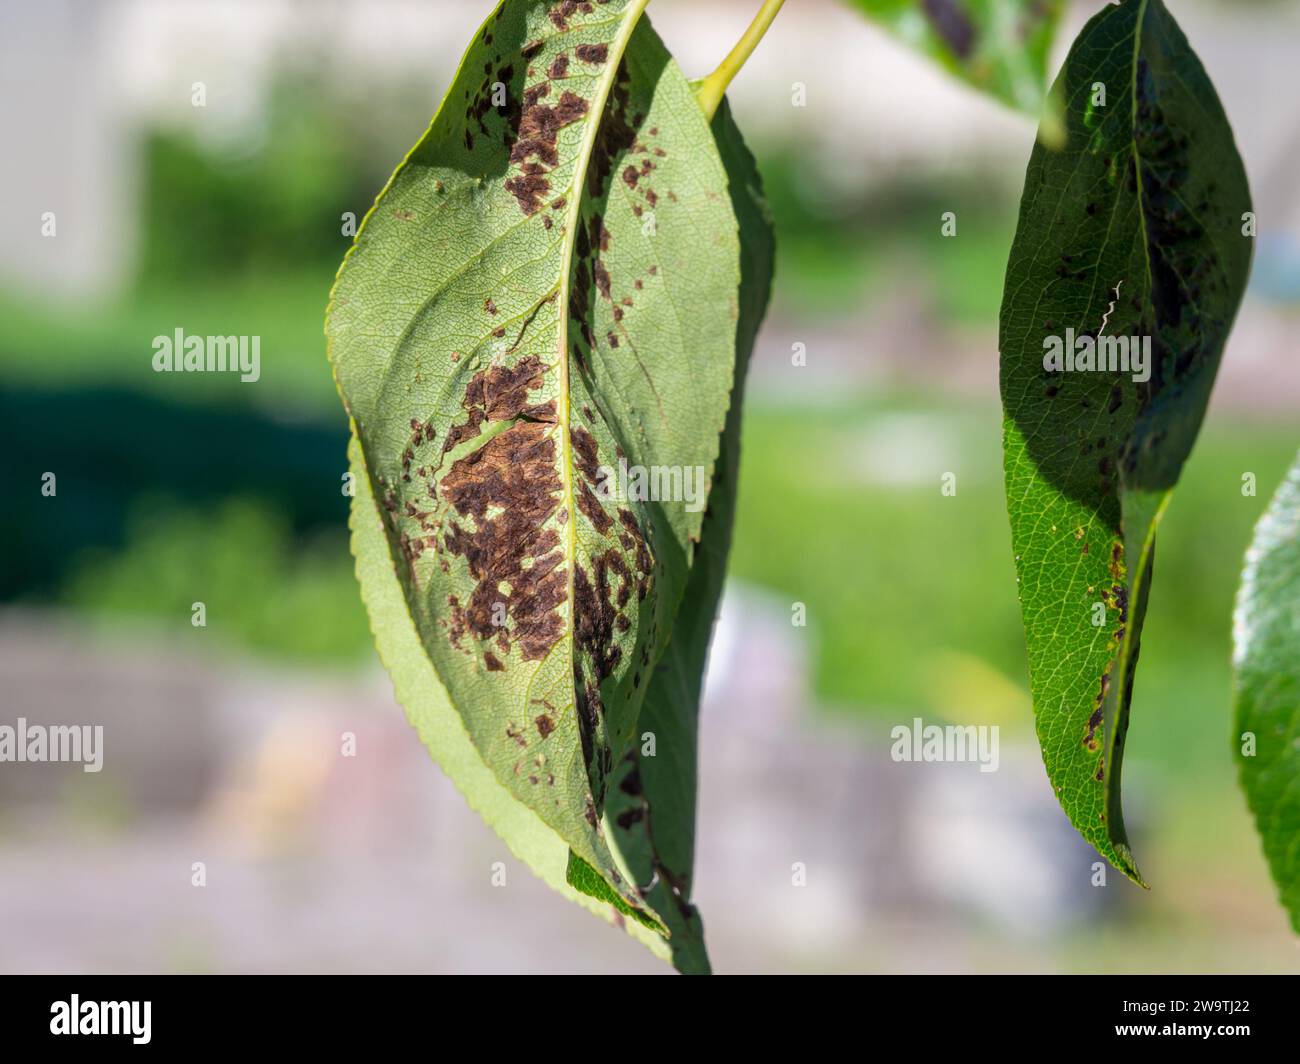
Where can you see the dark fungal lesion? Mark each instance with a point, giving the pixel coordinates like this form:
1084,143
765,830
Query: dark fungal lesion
624,162
505,492
1098,713
635,818
503,495
609,585
547,106
562,10
501,393
534,154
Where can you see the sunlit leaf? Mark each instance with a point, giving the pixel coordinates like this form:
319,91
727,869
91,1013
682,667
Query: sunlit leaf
1266,636
1133,232
547,294
653,804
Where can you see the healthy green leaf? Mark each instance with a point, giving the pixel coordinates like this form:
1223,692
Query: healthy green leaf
1266,637
546,291
1130,240
999,46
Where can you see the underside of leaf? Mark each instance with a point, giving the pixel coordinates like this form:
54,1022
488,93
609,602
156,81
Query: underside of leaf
1130,261
545,296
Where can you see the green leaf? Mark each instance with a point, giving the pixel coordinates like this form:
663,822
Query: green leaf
1266,637
652,805
544,292
1133,230
998,46
419,689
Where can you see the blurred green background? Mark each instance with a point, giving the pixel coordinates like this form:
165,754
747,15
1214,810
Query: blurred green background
168,483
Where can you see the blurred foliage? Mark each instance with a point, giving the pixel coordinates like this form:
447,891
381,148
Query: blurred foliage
260,586
840,508
843,249
172,482
269,200
109,446
998,46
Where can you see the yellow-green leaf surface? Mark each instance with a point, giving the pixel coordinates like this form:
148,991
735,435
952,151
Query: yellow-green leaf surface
1266,637
420,691
998,46
547,290
652,805
1132,231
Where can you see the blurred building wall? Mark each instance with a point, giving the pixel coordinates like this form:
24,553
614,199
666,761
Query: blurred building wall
66,151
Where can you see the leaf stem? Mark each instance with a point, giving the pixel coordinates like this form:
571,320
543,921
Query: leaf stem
712,88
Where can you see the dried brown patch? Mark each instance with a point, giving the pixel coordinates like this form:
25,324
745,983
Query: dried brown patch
533,152
514,560
500,393
511,556
591,508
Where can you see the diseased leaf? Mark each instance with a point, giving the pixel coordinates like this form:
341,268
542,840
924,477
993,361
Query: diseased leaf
652,805
1132,232
1266,639
546,292
419,689
998,46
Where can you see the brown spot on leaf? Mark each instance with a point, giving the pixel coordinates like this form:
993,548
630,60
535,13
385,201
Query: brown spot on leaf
591,508
513,478
1094,722
499,394
586,455
534,149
